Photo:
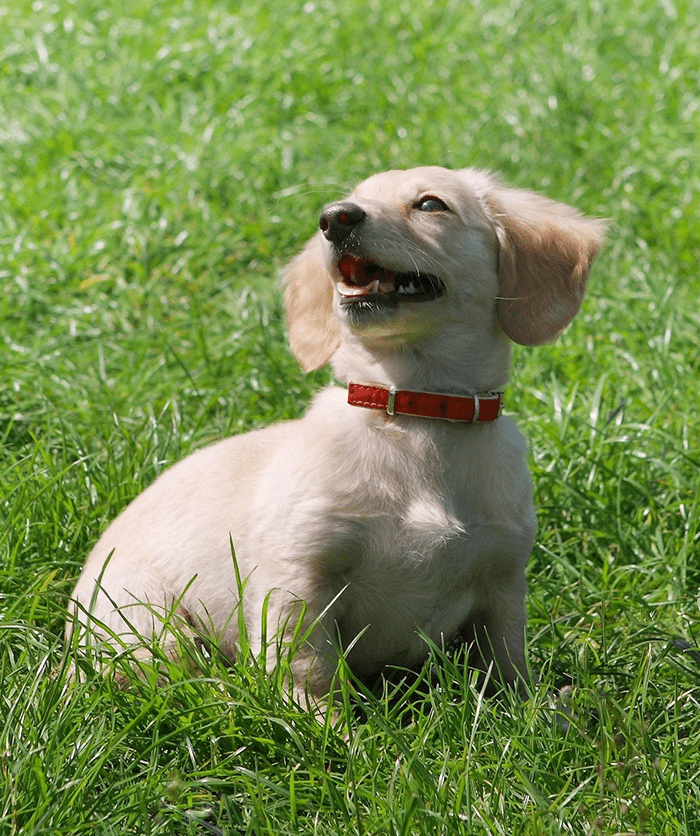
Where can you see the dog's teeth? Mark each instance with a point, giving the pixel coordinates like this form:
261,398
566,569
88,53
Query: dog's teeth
407,289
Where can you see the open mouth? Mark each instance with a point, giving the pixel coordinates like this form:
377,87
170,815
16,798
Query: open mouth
366,281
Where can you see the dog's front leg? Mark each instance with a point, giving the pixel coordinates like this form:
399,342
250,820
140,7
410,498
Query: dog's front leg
314,683
294,635
496,635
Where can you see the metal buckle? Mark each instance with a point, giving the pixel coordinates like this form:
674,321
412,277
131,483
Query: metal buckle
477,405
391,401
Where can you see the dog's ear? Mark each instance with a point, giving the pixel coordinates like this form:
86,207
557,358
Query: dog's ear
314,333
546,249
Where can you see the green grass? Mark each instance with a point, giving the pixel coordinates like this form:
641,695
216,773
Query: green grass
159,162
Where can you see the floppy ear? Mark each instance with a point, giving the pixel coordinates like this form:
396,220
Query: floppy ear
314,334
546,249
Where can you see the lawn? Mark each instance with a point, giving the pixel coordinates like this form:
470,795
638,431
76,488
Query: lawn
159,163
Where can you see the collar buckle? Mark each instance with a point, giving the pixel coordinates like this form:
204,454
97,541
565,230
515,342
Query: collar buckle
391,402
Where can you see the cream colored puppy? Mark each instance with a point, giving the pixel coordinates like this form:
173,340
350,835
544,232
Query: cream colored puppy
407,512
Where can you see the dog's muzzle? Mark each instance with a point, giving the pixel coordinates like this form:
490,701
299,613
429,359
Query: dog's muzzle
365,283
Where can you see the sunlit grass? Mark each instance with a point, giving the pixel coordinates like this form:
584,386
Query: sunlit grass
158,164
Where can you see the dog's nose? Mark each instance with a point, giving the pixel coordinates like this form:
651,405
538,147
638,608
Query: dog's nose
339,219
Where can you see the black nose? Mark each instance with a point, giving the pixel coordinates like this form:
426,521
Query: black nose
339,220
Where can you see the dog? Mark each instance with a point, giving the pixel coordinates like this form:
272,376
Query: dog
400,507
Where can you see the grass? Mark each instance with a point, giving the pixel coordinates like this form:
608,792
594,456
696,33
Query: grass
159,164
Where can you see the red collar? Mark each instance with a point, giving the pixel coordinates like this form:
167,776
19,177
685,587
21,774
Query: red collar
468,408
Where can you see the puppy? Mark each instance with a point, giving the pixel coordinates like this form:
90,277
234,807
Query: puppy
400,505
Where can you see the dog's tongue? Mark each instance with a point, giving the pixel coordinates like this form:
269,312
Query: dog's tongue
357,271
365,276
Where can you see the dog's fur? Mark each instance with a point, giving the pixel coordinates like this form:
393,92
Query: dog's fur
387,528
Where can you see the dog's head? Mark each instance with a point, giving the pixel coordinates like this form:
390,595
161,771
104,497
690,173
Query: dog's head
409,252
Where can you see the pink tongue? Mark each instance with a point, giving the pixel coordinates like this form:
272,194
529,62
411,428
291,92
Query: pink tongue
353,270
358,272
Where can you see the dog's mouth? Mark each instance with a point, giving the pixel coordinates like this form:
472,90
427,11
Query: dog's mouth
365,282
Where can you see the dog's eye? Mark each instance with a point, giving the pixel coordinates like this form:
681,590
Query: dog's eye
431,204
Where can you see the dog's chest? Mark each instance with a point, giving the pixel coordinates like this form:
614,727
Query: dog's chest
390,536
397,497
396,502
397,529
402,531
398,573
